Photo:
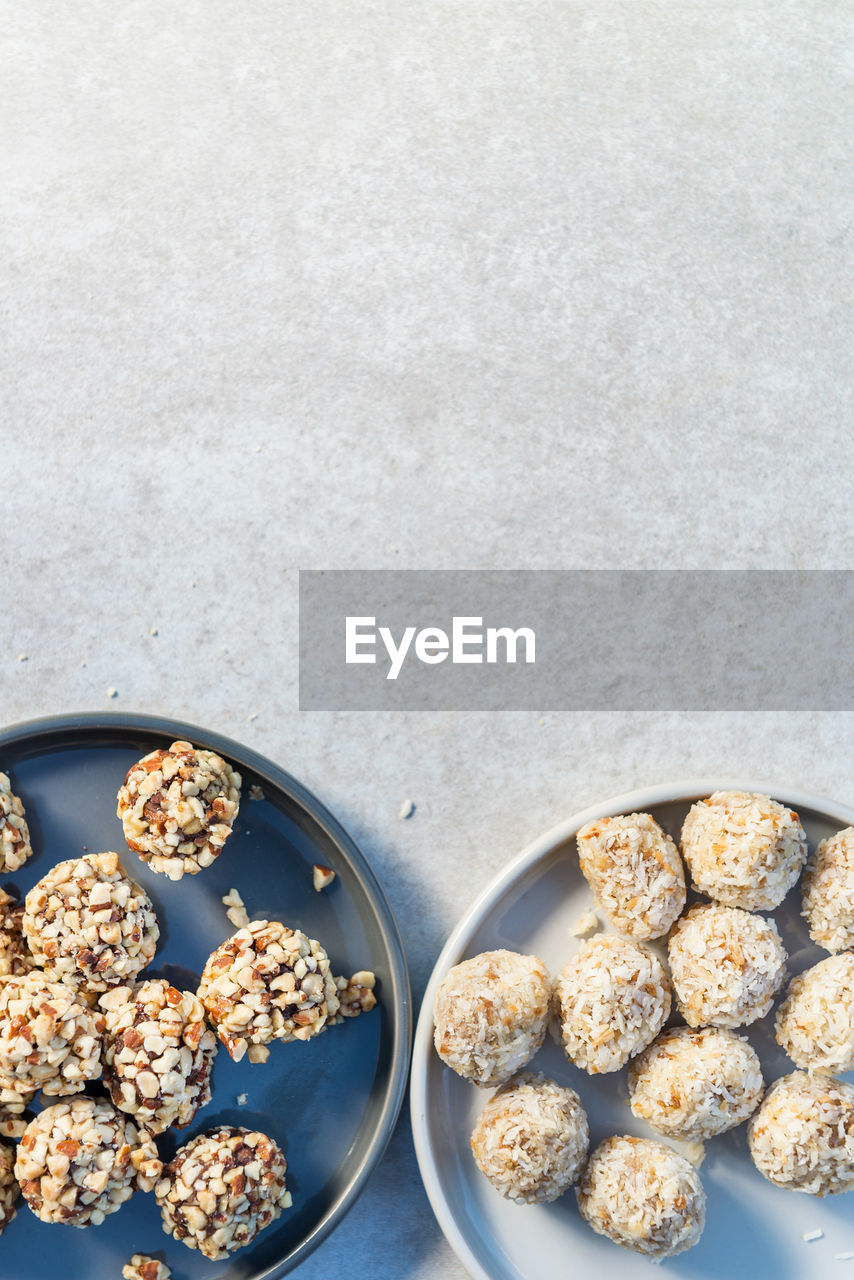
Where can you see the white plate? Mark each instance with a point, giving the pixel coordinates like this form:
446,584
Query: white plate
752,1228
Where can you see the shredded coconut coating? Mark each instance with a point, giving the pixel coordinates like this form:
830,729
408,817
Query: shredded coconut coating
89,924
49,1037
15,845
158,1053
268,982
635,872
178,808
221,1189
490,1015
80,1159
744,850
143,1267
726,965
815,1023
692,1085
802,1137
531,1139
612,999
9,1189
643,1196
15,955
828,892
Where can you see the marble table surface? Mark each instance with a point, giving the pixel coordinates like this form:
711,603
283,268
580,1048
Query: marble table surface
391,284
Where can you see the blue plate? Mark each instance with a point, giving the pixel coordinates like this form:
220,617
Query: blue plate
331,1103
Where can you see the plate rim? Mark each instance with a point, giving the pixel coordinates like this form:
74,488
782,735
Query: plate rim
92,722
538,849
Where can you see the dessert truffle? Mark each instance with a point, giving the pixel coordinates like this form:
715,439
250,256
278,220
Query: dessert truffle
726,965
490,1015
49,1037
802,1137
15,955
815,1023
635,872
80,1159
15,845
177,807
828,892
744,850
89,924
612,999
692,1085
643,1196
9,1189
268,982
531,1139
221,1189
158,1053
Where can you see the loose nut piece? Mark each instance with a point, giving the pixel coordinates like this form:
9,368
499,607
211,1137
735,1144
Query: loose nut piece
237,913
15,845
178,808
80,1159
323,877
158,1053
89,924
221,1189
267,982
142,1267
357,994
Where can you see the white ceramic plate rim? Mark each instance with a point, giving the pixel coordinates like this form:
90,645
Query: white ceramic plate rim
422,1049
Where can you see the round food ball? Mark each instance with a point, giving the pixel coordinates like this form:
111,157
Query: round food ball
236,1183
726,965
815,1023
828,892
80,1159
9,1189
531,1139
268,982
15,845
744,850
15,956
614,998
692,1085
802,1137
635,872
178,808
158,1053
90,925
643,1196
490,1015
49,1037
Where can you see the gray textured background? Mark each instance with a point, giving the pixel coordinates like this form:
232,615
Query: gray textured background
406,284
